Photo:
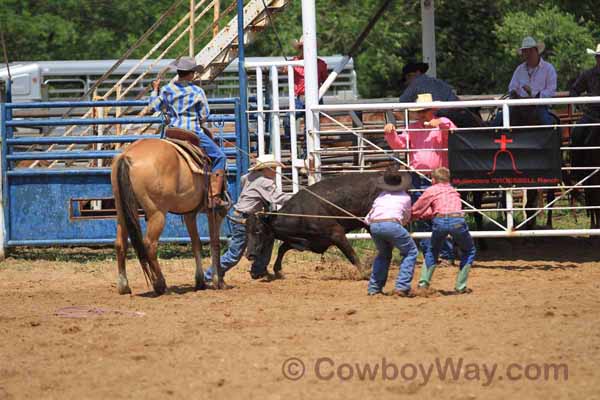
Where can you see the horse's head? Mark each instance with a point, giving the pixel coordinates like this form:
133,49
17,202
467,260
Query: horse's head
259,235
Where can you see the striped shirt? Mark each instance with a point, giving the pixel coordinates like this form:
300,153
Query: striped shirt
186,105
440,198
440,90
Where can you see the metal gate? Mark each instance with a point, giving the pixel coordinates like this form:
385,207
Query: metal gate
56,188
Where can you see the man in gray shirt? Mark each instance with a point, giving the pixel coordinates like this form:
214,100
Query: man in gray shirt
258,192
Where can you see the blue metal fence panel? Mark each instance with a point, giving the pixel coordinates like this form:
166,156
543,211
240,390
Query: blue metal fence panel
43,206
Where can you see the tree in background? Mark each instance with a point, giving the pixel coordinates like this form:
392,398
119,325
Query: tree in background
476,39
565,40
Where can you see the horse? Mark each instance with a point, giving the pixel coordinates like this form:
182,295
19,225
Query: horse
150,174
589,158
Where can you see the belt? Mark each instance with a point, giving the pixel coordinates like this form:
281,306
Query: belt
238,217
450,215
396,220
240,214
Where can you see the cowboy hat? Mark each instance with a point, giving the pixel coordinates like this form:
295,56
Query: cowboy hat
422,98
186,63
414,67
529,43
594,52
394,180
265,161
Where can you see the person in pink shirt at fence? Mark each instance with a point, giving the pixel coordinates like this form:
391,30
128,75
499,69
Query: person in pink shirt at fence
425,135
388,216
441,202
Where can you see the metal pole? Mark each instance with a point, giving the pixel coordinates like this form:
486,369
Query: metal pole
192,8
311,89
260,106
428,32
275,133
243,86
292,122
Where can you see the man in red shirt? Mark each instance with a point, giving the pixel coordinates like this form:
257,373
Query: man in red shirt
299,82
441,202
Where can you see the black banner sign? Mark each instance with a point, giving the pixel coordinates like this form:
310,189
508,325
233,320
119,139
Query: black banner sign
521,157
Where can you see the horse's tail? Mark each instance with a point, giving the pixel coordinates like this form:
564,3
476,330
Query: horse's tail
129,204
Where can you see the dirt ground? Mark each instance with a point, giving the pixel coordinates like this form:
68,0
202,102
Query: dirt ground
533,320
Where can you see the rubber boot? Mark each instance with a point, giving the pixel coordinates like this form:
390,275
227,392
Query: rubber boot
426,274
461,279
216,188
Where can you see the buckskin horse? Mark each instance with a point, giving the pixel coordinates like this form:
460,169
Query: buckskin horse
151,174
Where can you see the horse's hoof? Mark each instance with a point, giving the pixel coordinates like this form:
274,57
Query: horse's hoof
223,286
124,289
160,288
201,285
258,275
278,275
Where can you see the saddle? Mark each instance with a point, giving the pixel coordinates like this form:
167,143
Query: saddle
187,145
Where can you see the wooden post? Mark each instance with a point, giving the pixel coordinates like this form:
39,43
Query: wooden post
192,17
216,16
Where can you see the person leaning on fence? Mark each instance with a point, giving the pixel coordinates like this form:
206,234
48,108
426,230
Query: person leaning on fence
442,203
386,220
187,108
428,137
258,190
588,82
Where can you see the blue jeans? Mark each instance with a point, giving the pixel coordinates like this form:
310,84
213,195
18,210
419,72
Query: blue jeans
217,157
447,252
543,113
386,236
236,249
458,230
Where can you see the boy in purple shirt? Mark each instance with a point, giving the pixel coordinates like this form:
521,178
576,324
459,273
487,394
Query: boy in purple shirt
386,220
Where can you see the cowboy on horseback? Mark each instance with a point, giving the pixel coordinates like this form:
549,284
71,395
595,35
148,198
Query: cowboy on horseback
187,108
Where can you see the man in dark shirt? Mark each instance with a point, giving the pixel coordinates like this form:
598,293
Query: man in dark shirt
418,83
588,82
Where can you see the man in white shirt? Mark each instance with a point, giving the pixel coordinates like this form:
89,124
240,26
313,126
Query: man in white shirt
533,78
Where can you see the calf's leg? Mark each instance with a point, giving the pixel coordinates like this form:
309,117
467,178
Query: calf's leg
338,237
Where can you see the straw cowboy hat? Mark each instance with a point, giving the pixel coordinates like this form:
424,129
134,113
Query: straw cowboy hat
394,180
265,161
423,98
594,52
529,43
186,63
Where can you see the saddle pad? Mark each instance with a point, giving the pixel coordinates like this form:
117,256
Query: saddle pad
195,157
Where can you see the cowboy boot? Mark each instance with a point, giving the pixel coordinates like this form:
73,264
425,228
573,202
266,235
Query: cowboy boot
426,274
461,279
216,188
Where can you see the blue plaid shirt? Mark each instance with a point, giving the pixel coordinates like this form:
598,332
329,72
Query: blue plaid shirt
186,105
440,90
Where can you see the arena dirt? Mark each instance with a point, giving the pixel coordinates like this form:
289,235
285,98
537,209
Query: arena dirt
533,304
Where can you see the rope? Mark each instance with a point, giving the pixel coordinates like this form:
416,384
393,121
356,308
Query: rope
308,215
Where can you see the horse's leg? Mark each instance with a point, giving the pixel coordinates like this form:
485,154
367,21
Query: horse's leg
284,248
121,249
550,196
532,202
192,228
154,227
214,227
477,201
